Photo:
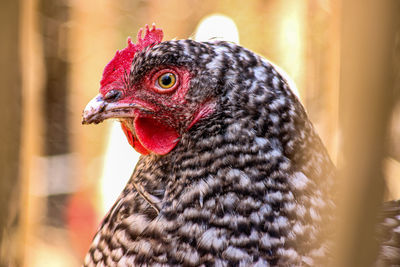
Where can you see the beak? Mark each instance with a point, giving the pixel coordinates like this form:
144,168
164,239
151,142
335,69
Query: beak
94,110
98,109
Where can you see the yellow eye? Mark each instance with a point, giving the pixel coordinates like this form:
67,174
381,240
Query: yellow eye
167,80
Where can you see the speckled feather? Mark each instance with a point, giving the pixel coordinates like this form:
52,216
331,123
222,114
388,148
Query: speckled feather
388,233
251,184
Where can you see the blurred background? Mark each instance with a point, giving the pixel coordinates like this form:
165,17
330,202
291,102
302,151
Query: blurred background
58,178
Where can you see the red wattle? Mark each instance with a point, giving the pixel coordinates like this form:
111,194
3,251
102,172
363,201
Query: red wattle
155,136
134,142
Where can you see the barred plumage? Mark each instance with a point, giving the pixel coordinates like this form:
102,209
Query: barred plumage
248,183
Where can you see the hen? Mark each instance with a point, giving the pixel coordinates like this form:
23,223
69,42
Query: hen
232,173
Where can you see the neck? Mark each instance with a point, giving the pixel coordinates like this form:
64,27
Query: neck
227,142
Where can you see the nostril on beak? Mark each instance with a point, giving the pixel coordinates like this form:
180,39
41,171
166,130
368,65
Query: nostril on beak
112,96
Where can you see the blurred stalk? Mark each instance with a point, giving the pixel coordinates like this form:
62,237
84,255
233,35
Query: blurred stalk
54,17
11,249
366,88
53,21
321,77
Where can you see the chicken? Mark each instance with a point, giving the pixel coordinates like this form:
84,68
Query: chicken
232,173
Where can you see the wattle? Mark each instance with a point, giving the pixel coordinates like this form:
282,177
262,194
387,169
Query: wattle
134,142
151,136
155,136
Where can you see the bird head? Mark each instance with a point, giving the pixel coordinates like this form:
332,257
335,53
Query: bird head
146,87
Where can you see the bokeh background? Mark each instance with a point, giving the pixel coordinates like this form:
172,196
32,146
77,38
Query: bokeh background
58,178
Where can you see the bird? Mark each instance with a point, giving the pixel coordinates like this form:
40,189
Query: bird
232,171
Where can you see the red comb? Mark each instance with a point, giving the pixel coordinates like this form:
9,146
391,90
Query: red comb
122,60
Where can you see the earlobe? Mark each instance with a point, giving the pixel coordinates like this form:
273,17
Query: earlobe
155,136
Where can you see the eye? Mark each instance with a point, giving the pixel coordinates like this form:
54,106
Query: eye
166,81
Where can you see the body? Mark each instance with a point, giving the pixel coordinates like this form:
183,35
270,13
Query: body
233,172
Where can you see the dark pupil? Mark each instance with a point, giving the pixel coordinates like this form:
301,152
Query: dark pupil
166,80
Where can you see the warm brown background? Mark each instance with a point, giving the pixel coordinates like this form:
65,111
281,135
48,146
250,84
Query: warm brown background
343,56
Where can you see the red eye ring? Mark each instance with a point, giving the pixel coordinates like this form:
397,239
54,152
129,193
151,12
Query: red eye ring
165,75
